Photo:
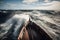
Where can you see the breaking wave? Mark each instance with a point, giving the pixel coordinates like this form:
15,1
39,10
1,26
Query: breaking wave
49,21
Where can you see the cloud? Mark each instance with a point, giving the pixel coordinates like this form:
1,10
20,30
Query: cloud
29,1
55,5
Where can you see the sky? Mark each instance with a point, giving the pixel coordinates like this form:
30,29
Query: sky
29,4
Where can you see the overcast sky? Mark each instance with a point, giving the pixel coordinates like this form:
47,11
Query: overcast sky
29,4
